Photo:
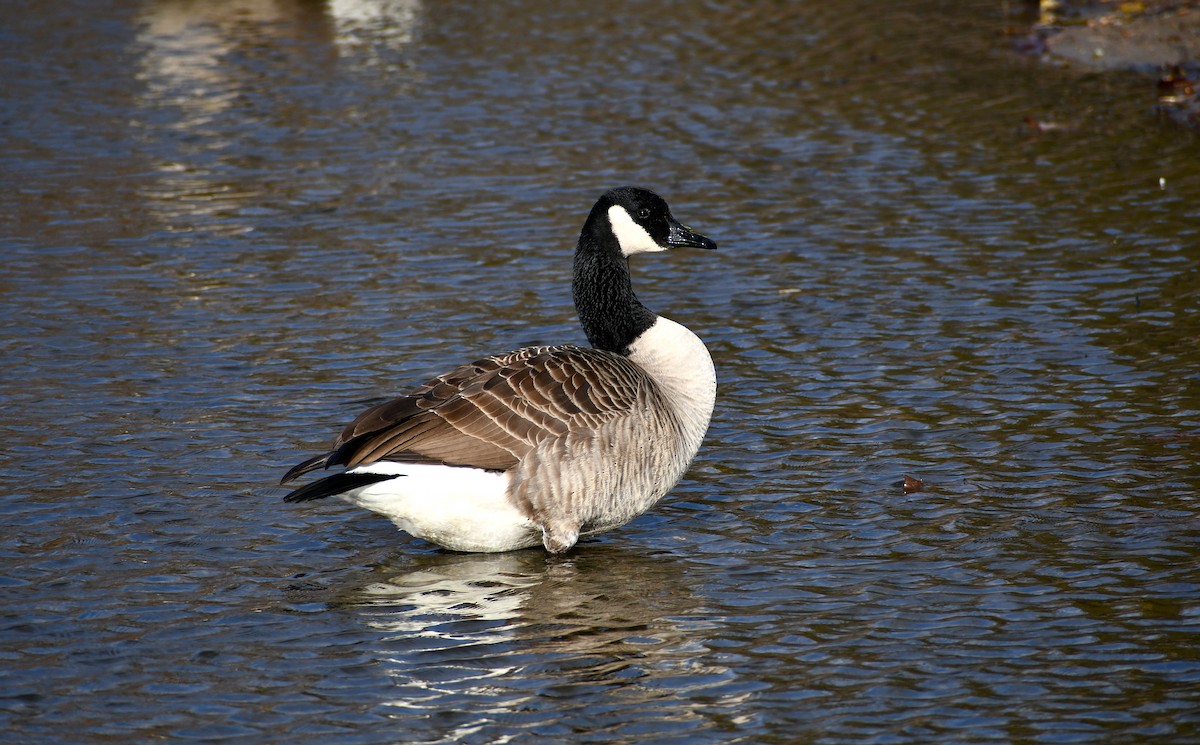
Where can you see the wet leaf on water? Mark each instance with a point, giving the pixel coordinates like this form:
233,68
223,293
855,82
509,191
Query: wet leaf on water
1039,126
1175,83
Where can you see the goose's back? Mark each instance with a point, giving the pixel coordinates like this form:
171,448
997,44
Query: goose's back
497,411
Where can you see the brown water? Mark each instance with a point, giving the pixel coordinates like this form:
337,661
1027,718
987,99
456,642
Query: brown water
228,224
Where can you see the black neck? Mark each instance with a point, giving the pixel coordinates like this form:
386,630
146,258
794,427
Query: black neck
611,315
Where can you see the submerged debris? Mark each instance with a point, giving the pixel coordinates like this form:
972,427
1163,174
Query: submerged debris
1130,36
1155,37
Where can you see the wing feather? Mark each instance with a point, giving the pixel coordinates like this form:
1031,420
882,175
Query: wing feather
492,412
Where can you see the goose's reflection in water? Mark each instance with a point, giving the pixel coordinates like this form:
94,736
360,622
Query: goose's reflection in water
512,638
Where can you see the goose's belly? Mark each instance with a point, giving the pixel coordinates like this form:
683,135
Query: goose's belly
462,509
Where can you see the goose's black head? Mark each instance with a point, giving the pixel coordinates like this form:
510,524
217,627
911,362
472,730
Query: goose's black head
624,221
641,222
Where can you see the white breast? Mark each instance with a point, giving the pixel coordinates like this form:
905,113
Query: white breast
680,363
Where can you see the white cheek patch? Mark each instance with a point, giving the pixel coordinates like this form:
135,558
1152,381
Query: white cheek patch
632,237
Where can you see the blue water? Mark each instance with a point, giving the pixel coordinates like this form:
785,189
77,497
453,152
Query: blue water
229,225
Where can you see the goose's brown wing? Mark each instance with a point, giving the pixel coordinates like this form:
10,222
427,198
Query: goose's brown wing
489,413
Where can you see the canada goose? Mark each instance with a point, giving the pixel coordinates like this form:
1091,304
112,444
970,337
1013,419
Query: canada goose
543,444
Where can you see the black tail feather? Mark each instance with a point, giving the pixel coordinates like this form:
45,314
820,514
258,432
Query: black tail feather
336,484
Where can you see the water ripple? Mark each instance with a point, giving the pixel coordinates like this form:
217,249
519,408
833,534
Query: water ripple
949,493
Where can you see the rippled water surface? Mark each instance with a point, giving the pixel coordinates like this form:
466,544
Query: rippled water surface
227,225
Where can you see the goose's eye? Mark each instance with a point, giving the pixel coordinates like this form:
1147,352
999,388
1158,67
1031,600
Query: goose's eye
644,212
